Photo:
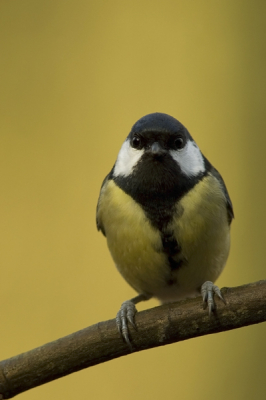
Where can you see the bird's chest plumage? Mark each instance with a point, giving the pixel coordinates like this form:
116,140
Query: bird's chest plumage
175,260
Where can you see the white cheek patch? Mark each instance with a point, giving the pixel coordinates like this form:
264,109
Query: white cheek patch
189,159
127,159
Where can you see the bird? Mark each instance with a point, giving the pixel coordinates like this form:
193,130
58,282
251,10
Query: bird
166,214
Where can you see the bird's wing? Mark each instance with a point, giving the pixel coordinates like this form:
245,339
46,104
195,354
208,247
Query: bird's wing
229,204
99,222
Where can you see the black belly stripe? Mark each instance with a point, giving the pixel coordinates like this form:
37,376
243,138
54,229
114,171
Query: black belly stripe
172,249
171,281
170,245
175,265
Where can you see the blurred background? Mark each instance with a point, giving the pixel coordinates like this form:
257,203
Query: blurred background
75,76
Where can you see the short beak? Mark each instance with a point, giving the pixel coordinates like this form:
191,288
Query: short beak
156,148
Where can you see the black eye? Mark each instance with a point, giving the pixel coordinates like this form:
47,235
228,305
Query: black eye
136,142
179,143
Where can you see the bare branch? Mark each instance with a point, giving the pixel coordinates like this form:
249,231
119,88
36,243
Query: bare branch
159,326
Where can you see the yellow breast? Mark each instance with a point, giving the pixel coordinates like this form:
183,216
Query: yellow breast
134,244
199,224
203,232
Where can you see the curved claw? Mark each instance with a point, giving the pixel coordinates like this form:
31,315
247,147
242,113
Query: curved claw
208,289
126,314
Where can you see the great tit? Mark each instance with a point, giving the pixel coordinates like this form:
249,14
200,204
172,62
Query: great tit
166,214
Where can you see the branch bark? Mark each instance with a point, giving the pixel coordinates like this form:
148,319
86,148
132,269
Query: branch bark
169,323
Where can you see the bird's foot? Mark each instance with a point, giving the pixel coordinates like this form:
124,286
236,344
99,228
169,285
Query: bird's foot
208,289
125,315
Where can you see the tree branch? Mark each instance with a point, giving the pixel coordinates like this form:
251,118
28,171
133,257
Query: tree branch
246,305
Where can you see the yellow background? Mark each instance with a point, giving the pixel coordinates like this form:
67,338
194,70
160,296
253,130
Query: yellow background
75,76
